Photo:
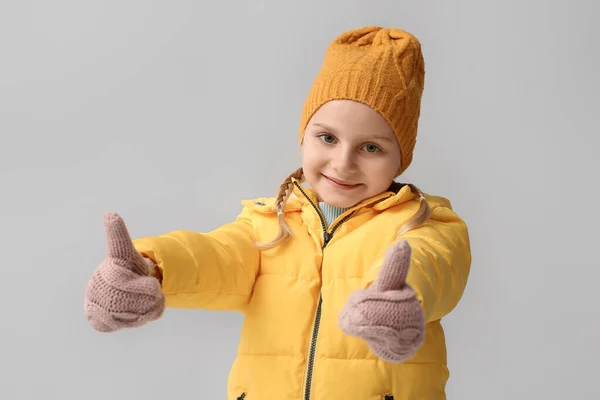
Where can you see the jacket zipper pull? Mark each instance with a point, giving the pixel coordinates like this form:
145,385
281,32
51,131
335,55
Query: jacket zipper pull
327,238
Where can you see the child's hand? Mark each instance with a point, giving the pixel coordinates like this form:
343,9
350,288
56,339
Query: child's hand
387,315
121,293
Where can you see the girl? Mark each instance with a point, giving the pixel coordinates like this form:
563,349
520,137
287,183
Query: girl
342,282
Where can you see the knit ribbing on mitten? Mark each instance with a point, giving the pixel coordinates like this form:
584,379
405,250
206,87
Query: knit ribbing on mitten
391,323
119,298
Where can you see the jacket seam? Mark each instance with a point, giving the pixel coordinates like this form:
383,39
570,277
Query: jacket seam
205,292
179,242
269,355
288,276
379,360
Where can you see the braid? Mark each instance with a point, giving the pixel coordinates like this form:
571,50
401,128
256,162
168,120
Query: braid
421,216
285,190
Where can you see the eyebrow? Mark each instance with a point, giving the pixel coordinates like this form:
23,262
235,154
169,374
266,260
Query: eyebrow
333,130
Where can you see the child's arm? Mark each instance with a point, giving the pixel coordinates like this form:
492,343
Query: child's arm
419,279
440,262
214,270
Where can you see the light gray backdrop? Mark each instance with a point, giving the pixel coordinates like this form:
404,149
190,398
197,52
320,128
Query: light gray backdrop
171,112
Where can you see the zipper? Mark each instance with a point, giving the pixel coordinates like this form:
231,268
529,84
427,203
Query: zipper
313,343
326,235
243,396
388,397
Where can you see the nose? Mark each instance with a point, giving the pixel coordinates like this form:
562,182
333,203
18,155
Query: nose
344,161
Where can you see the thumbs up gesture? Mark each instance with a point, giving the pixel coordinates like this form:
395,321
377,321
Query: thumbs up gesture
121,293
387,315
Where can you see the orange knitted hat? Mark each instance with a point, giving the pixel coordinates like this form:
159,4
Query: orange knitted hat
380,67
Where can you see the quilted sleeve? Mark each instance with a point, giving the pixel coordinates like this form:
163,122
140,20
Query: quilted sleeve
214,270
440,262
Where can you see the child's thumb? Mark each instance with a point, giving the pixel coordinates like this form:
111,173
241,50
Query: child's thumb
394,269
118,240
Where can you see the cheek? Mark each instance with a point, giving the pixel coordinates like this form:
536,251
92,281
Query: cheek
310,158
381,173
311,170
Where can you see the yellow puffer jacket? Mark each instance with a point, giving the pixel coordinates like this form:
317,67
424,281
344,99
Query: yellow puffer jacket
291,346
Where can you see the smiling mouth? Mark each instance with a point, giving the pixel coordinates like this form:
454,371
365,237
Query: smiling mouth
341,184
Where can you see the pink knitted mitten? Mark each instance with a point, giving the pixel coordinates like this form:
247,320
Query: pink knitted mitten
387,315
121,293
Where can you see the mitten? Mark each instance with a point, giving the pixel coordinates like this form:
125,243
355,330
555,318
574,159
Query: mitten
121,293
387,315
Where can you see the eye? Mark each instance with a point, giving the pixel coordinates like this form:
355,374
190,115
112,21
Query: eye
372,148
327,138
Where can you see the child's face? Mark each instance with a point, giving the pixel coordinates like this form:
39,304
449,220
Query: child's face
349,153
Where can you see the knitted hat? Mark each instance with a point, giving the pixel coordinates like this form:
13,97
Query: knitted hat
380,67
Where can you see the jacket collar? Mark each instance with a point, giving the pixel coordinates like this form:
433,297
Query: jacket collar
396,194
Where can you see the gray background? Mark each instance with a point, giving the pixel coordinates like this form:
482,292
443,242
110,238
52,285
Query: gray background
172,112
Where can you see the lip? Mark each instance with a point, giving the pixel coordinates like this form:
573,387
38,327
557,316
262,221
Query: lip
341,184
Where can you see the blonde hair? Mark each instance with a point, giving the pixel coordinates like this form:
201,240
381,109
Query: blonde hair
420,217
286,188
